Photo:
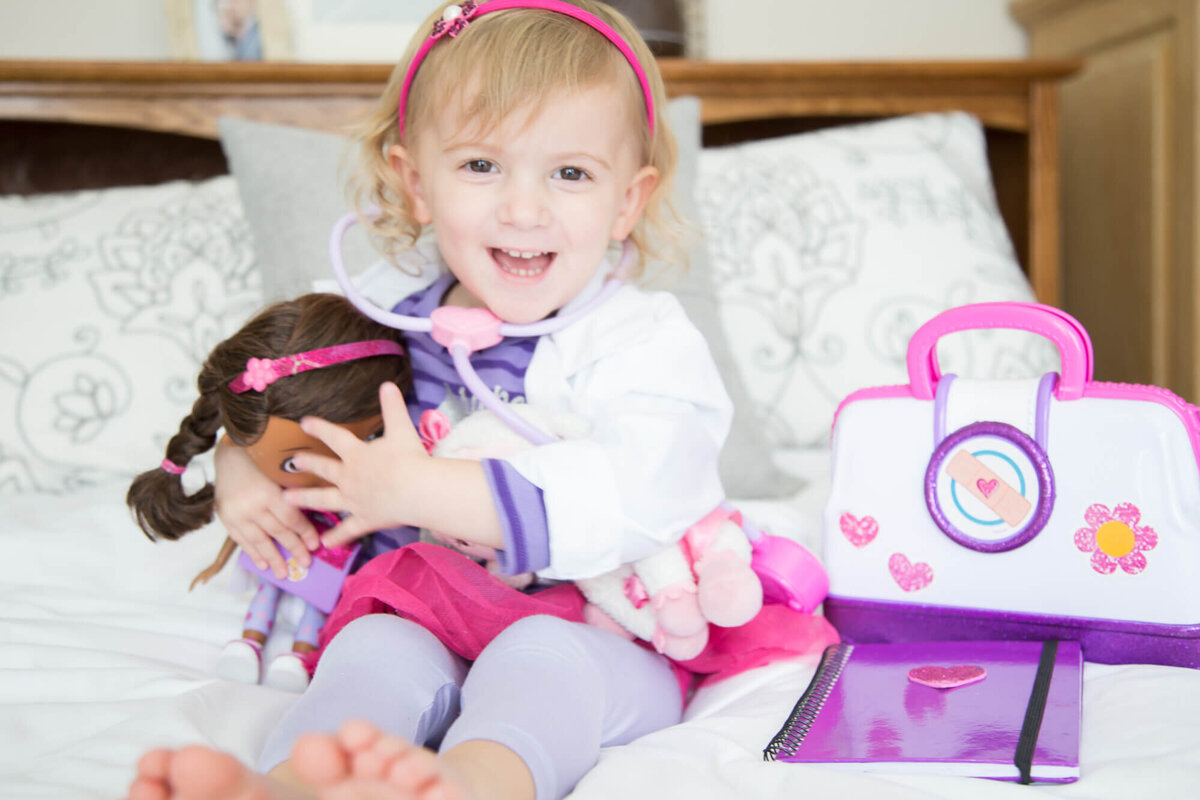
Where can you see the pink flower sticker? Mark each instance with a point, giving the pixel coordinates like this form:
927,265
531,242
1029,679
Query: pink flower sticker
1116,538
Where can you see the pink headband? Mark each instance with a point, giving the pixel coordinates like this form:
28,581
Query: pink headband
262,372
455,19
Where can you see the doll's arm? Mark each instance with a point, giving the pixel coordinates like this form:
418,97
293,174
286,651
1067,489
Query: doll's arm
252,509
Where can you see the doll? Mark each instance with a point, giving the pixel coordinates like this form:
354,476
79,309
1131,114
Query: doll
315,355
668,598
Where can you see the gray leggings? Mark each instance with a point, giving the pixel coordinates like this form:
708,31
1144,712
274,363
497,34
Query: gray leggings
554,692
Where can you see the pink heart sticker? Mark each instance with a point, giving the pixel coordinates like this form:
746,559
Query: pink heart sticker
908,576
859,532
947,677
987,487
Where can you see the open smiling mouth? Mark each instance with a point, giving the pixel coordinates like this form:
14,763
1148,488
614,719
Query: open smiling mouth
523,263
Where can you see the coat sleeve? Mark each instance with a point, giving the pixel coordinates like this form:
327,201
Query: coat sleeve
641,374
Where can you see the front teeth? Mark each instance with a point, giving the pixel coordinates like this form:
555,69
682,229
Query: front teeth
522,254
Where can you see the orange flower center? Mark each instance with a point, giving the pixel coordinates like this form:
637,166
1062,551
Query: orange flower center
1115,538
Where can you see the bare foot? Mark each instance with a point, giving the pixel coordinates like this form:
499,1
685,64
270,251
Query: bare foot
197,773
362,762
359,762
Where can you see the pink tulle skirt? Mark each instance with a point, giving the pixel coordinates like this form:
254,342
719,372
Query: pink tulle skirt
466,607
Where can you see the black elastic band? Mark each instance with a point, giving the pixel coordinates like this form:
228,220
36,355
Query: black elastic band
1034,711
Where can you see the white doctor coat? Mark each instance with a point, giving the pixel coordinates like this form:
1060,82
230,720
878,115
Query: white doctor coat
641,374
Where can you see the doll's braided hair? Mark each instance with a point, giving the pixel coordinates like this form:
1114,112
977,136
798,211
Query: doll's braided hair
340,393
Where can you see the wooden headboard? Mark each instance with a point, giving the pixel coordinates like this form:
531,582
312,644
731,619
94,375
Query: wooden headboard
68,125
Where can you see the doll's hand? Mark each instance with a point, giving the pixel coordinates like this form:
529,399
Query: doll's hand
251,507
367,479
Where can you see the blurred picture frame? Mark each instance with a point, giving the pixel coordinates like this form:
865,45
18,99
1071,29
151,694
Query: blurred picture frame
355,30
229,30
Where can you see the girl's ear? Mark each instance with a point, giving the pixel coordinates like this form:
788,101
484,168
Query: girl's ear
401,161
636,197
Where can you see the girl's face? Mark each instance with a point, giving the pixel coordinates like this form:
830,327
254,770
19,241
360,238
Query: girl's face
283,438
524,213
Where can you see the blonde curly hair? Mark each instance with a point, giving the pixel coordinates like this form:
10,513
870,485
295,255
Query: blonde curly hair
518,59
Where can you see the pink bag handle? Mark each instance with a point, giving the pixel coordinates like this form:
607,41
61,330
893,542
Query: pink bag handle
1073,343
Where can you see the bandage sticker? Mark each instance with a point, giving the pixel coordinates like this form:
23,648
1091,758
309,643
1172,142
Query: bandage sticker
988,487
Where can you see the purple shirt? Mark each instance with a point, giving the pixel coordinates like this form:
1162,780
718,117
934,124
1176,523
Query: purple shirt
519,504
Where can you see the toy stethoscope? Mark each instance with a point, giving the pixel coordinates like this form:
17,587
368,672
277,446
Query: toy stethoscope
462,331
790,574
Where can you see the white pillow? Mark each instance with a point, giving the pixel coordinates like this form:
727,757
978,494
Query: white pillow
109,302
829,249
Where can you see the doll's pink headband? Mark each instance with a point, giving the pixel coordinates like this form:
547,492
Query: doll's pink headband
262,372
456,18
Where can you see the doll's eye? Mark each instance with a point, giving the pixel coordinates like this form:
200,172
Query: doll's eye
289,465
374,435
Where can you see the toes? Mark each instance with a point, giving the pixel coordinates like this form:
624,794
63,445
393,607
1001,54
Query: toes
144,788
201,772
417,772
320,758
376,762
153,763
357,735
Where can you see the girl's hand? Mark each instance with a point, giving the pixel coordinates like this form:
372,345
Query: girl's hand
251,507
367,478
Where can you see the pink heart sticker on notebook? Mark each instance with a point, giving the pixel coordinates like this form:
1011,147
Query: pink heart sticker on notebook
947,677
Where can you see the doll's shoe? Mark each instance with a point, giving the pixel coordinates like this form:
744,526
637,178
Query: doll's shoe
678,611
286,672
240,661
730,594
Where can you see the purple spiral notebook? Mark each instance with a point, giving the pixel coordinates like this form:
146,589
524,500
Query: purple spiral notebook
862,711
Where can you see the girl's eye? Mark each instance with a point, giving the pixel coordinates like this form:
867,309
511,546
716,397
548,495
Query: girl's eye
289,465
571,174
373,436
480,165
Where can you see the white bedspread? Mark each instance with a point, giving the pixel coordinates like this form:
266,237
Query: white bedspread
104,654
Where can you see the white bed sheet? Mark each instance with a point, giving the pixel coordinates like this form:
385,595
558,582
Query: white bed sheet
104,653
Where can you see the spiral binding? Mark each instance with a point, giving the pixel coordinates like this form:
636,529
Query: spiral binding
805,712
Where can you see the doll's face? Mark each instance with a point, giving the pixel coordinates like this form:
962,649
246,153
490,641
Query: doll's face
283,438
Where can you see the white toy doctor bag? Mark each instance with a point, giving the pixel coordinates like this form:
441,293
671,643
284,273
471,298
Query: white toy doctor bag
1052,508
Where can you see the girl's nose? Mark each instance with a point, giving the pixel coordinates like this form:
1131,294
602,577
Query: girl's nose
524,205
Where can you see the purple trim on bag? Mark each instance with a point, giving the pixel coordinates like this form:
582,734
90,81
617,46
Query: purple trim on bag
1104,641
1045,477
940,399
1045,393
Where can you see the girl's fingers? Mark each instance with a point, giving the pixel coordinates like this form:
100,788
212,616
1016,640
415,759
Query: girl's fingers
328,498
262,548
394,411
346,531
336,437
296,523
249,546
323,467
289,540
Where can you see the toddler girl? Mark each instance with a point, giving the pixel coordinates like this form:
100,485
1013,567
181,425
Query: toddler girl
529,140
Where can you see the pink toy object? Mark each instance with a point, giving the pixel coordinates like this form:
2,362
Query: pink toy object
1085,494
713,575
947,677
319,584
456,18
262,372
